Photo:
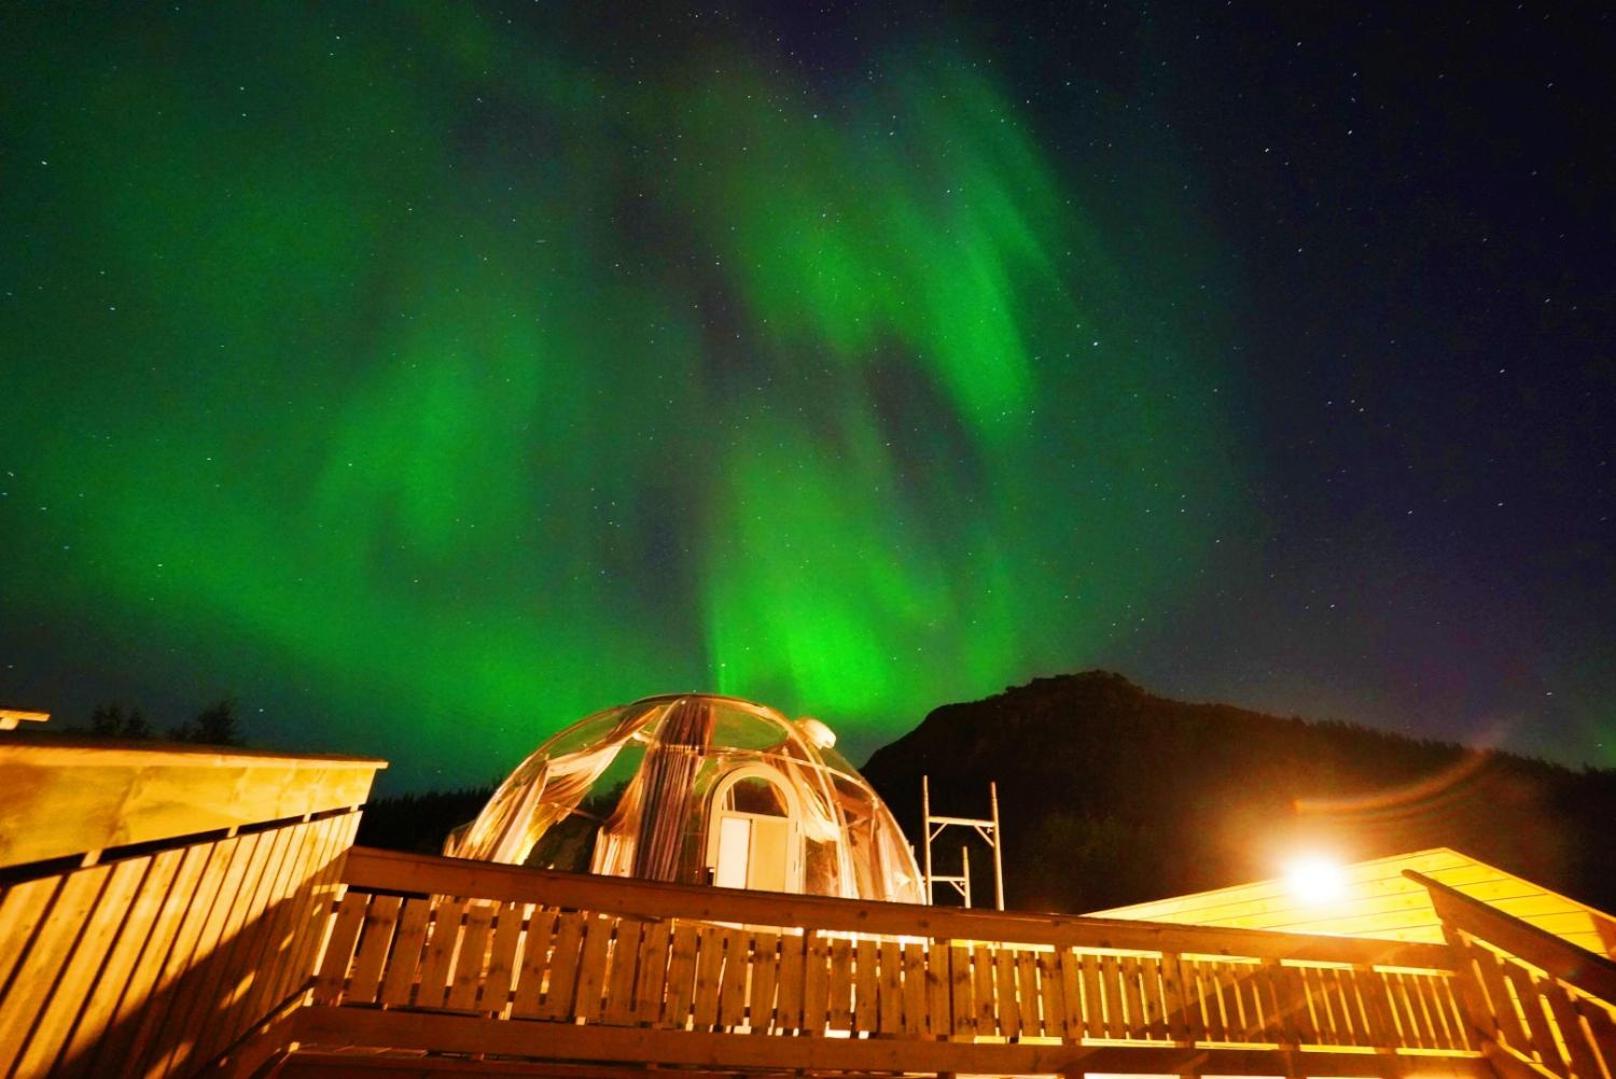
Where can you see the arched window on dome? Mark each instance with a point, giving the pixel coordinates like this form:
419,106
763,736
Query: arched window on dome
754,836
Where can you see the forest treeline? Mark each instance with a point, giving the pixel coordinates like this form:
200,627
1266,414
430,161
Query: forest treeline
1110,795
216,724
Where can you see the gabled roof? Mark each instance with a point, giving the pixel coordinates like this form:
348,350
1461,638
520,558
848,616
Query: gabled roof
1378,901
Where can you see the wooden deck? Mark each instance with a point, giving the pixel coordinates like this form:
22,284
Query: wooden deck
134,942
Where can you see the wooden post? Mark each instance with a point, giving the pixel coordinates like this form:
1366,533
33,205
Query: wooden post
965,874
998,843
925,828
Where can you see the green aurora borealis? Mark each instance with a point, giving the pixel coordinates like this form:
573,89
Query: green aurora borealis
466,384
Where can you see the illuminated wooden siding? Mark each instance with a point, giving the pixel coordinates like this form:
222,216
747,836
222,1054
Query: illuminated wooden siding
1377,900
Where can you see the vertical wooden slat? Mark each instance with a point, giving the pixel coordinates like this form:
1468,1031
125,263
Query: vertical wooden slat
916,1021
1506,1020
333,975
598,930
866,1007
562,970
890,1019
619,1007
1526,990
1051,994
765,979
375,938
1069,970
983,990
528,999
502,958
399,978
652,976
1192,1006
64,1001
709,966
840,1012
1133,997
472,956
1004,985
681,975
732,985
1094,1003
961,998
437,961
940,1020
311,907
815,982
793,962
1027,994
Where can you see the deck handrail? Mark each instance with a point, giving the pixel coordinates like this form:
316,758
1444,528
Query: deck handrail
1563,1024
400,872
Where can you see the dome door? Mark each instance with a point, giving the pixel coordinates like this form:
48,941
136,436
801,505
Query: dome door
754,839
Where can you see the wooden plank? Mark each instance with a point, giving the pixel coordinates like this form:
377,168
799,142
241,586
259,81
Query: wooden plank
527,1000
681,975
890,1020
961,995
472,958
765,980
62,1003
1132,997
502,958
1191,1018
375,938
709,968
625,958
598,931
652,977
815,982
1051,994
563,966
839,1013
793,961
1153,991
940,1020
984,984
1027,992
916,1021
1004,991
732,984
1506,1020
333,975
1537,1022
1599,1027
399,978
866,1008
1094,1002
65,799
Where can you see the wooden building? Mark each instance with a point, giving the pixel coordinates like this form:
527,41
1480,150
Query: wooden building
181,911
1377,898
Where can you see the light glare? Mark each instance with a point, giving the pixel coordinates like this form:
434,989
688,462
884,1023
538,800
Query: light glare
1315,879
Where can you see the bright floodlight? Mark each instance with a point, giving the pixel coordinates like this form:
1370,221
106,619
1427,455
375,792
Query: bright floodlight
1316,880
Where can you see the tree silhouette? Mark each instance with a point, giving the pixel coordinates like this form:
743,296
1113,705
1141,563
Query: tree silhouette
215,725
111,721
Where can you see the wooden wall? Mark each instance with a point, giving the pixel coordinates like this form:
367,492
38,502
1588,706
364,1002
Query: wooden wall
1379,901
156,904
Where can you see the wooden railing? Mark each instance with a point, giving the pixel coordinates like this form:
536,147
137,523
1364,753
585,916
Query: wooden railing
469,957
1543,1005
158,904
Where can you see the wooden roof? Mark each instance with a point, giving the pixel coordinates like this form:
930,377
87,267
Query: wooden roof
1378,901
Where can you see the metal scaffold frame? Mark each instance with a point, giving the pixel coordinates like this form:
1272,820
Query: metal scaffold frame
987,828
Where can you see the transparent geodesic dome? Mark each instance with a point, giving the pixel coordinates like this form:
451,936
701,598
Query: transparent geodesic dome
698,789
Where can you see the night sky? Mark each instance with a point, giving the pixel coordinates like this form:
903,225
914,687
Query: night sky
428,377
